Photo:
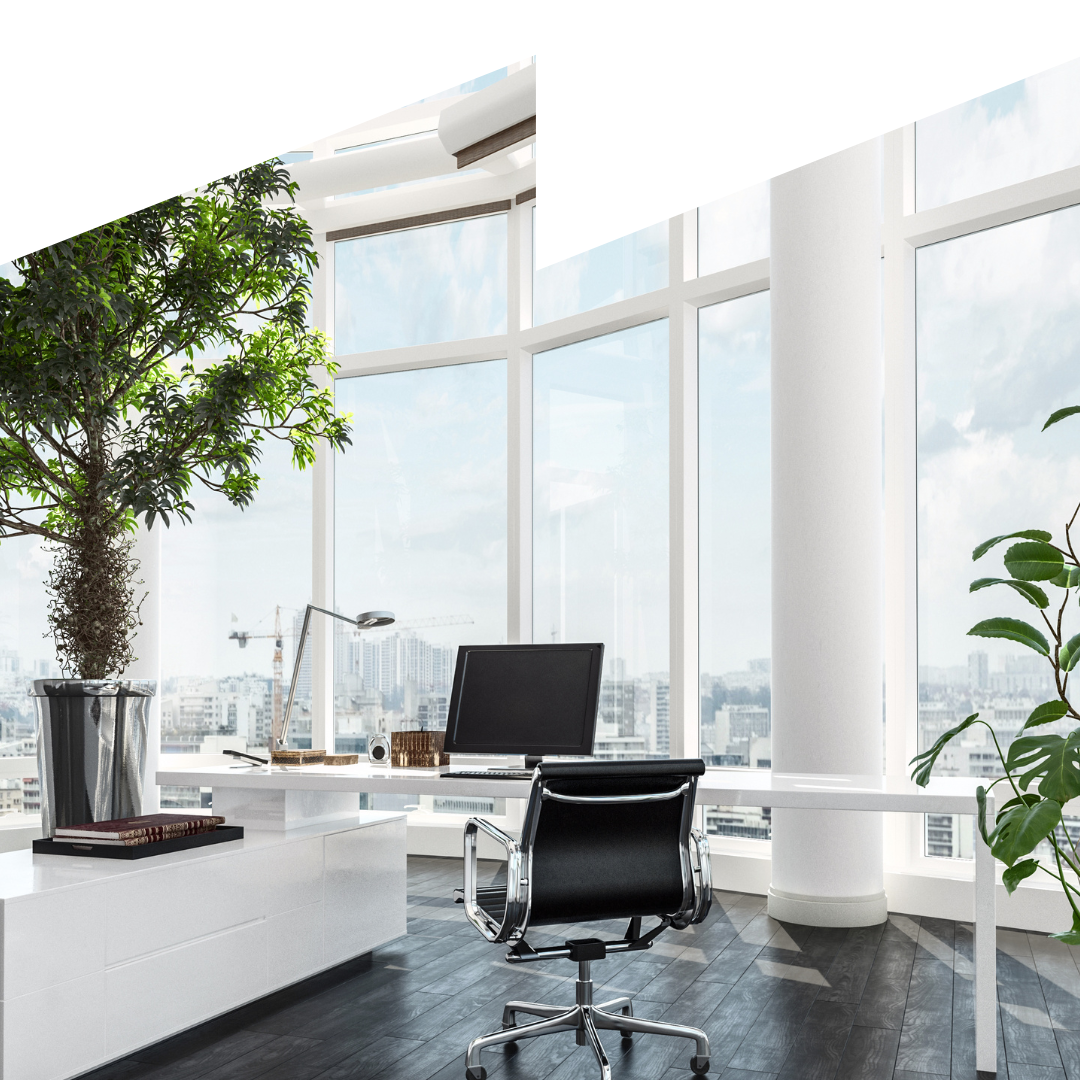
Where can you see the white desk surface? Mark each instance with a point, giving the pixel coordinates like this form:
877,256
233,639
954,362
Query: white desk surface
23,873
734,787
728,787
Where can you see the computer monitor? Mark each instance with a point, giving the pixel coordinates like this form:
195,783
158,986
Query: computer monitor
524,699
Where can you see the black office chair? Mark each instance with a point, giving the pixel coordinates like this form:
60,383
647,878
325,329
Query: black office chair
600,840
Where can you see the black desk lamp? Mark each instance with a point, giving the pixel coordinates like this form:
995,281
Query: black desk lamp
368,620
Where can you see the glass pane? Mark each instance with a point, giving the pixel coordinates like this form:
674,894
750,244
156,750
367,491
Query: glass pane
229,572
1013,134
420,520
734,230
469,87
735,624
633,265
26,653
439,283
997,340
600,528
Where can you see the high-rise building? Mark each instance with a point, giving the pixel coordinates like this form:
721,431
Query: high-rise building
616,709
303,680
660,709
389,661
978,670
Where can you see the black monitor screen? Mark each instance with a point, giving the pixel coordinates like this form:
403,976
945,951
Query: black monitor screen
524,699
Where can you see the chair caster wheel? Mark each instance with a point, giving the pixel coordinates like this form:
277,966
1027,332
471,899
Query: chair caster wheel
476,1074
699,1066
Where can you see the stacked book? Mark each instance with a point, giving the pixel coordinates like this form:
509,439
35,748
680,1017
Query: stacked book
130,832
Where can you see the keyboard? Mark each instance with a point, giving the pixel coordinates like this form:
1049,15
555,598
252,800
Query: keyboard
483,774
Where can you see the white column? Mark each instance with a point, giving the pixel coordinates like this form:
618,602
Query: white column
825,267
147,645
683,707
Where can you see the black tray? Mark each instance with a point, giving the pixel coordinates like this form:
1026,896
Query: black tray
221,835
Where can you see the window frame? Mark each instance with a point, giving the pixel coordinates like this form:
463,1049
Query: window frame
903,231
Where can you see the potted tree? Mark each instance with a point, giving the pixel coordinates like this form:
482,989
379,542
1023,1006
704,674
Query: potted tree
108,418
1041,771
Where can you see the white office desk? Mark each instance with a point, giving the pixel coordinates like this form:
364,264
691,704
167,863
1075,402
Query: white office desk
283,799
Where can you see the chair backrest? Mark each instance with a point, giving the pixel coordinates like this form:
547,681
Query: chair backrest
609,840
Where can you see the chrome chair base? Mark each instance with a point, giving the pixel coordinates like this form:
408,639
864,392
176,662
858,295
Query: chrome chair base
587,1020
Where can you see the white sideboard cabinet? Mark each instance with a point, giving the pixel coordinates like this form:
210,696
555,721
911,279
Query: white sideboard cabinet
103,956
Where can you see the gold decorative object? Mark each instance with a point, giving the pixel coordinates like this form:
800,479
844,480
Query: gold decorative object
341,759
418,749
297,757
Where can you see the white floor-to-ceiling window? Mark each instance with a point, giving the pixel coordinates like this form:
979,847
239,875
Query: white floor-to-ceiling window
582,452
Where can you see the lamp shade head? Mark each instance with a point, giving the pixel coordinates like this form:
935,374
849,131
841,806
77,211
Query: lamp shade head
368,620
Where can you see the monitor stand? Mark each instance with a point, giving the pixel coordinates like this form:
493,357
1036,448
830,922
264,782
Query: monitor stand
531,761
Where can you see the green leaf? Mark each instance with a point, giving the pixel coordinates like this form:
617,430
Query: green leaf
1014,630
1031,593
980,798
1060,414
1023,534
1069,653
927,759
1028,799
1070,937
1013,875
1046,713
1022,828
1034,561
1053,760
1069,578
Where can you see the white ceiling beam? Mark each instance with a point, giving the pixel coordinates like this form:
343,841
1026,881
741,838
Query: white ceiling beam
420,199
491,110
359,170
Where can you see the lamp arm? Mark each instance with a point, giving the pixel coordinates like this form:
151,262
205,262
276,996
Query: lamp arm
283,738
384,618
335,614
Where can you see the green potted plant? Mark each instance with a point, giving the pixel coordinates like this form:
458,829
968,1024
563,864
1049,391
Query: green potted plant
1042,770
109,416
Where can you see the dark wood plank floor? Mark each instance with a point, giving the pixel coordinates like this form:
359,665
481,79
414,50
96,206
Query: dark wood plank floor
778,1001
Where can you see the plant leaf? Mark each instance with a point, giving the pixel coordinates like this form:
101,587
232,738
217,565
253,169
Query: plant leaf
980,798
1029,799
1046,713
1034,561
928,758
1068,578
1013,875
1021,828
1023,534
1051,759
1014,630
1070,937
1031,593
1069,653
1060,414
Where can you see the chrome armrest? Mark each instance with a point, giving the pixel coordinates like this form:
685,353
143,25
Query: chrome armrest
516,914
699,847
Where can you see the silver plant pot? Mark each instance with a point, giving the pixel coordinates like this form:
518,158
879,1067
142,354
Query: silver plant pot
91,746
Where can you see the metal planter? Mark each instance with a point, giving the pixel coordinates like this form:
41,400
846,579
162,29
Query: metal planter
91,749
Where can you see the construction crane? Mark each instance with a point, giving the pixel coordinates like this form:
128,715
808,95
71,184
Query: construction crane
435,620
242,637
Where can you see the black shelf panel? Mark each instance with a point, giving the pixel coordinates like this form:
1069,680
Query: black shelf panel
221,835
